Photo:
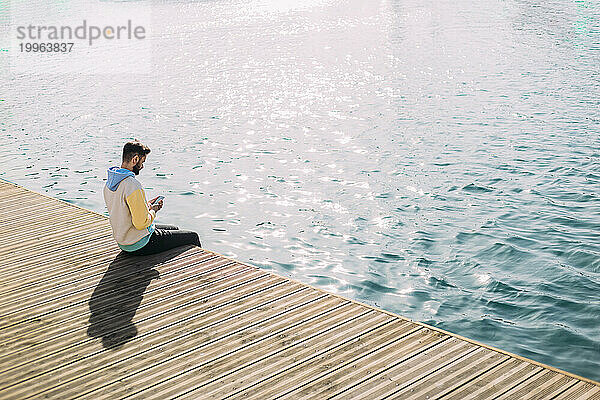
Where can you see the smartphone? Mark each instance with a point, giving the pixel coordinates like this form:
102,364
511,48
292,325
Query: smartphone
158,199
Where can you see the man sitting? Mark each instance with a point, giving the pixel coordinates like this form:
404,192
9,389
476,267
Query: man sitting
131,216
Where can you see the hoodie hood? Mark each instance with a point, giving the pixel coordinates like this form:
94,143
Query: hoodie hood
115,176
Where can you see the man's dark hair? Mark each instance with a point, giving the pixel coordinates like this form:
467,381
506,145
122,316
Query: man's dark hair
132,148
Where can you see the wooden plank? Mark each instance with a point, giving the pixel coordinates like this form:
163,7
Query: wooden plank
75,290
366,366
449,377
33,241
96,366
54,333
28,207
402,374
316,338
215,324
73,273
581,391
270,342
51,253
544,385
496,381
42,212
25,208
39,230
187,364
336,356
50,333
15,195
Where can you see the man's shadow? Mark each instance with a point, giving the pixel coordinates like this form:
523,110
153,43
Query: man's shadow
119,294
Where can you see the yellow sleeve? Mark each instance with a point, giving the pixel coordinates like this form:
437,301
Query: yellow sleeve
141,216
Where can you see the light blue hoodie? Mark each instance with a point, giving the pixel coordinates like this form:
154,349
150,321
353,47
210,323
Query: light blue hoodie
115,176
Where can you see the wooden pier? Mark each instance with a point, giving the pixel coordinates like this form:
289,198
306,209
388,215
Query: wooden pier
80,320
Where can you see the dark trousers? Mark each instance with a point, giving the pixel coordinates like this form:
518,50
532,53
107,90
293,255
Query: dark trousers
166,237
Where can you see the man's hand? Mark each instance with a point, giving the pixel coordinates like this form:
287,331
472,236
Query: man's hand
155,206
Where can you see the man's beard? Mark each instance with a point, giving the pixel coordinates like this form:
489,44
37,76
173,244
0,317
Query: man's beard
136,169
